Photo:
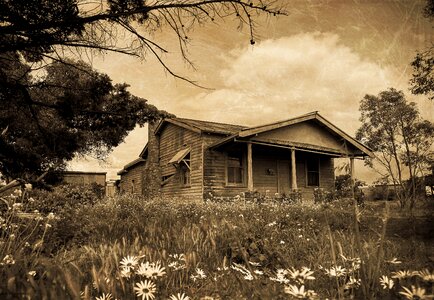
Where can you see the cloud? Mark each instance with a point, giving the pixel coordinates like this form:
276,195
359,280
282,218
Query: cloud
290,76
275,80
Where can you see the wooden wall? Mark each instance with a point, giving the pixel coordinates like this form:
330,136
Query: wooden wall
271,172
84,178
134,173
173,139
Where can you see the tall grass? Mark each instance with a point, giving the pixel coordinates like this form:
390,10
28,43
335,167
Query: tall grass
233,250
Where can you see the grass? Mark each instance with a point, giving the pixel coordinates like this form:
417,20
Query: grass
232,250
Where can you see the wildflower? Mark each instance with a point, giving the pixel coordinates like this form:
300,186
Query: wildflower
280,276
255,264
146,289
415,293
352,283
394,261
31,273
50,216
179,296
200,274
402,274
152,271
130,262
126,272
282,242
425,275
105,296
301,276
8,260
17,206
28,186
18,192
243,270
386,283
178,263
258,272
336,271
271,224
299,293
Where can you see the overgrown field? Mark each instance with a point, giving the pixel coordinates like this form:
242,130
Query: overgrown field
76,244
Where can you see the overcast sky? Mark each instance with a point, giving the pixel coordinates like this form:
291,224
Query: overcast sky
324,56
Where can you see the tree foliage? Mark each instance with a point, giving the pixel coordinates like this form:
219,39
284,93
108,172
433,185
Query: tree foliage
422,81
402,140
71,109
41,29
54,107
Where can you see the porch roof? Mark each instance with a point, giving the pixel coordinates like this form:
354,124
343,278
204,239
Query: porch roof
248,135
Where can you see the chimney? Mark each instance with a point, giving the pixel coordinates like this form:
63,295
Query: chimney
152,170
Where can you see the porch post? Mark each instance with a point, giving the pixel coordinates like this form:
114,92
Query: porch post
293,170
352,175
249,167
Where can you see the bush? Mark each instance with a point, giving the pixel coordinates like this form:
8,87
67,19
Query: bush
66,196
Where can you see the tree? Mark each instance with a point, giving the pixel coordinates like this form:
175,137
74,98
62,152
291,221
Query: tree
41,29
422,81
393,128
72,109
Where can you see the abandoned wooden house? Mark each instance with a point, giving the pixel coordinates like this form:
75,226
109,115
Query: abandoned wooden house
199,159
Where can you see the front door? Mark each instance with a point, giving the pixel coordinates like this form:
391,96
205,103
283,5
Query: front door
283,176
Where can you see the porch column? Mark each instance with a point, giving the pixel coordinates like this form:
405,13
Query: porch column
352,175
249,167
293,170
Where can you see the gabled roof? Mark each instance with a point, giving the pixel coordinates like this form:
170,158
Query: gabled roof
248,132
202,126
130,165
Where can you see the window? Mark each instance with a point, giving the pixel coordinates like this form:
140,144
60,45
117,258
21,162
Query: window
235,169
312,172
184,168
181,160
185,175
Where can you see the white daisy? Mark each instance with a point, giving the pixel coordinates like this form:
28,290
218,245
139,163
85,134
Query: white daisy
145,289
386,282
130,262
179,296
105,296
415,293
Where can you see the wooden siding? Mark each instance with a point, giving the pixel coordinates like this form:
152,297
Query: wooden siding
173,139
133,173
266,171
271,172
83,178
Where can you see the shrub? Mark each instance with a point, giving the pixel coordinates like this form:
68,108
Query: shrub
66,196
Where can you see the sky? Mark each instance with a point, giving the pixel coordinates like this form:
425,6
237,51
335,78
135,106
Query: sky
323,56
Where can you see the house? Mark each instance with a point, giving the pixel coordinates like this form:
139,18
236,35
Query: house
196,159
132,177
83,177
